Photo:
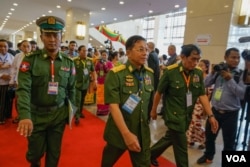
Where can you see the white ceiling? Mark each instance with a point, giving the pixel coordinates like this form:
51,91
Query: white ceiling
29,10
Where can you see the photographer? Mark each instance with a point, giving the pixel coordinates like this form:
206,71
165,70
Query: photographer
229,89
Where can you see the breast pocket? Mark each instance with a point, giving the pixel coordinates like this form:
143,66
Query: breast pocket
177,88
39,78
196,88
63,78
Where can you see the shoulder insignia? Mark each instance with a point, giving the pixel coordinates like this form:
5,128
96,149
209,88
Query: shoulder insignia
33,53
198,68
88,58
172,66
149,69
118,68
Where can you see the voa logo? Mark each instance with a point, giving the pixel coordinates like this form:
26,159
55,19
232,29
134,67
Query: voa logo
236,158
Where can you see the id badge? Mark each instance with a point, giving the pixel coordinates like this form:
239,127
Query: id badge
131,103
101,73
85,71
217,94
189,99
53,88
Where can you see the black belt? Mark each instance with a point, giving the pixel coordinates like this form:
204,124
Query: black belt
47,108
223,111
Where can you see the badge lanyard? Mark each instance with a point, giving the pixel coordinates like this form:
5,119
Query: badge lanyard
83,62
4,59
52,70
140,82
188,94
187,80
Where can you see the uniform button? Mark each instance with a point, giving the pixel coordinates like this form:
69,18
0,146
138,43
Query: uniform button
142,101
141,92
130,92
141,120
174,113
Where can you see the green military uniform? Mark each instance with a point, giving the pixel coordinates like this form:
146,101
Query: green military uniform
83,70
122,81
177,116
43,98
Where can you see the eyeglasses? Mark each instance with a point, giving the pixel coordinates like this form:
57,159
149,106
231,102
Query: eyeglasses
142,50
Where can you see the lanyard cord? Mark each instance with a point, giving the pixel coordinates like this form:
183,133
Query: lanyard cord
4,59
187,80
52,70
140,82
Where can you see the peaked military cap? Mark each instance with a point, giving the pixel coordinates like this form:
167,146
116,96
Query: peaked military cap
50,24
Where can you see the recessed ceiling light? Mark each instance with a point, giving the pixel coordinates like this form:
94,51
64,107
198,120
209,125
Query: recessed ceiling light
8,16
226,6
58,6
150,11
130,15
69,0
121,2
115,19
92,24
176,6
12,9
43,15
15,4
10,13
50,11
103,8
210,19
102,21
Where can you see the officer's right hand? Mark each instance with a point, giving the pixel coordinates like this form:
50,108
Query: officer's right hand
25,127
132,142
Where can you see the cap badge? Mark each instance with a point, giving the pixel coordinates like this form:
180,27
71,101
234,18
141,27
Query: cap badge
51,20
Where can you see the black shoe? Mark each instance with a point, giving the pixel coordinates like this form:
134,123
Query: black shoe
38,164
204,159
154,162
77,121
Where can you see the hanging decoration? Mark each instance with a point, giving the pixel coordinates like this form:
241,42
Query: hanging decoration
111,35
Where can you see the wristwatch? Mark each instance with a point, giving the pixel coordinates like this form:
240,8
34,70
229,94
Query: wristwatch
209,116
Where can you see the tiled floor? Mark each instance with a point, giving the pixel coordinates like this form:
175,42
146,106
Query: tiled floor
158,130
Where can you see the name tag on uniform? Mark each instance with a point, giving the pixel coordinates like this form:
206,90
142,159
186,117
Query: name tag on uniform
85,71
189,98
131,103
53,88
217,94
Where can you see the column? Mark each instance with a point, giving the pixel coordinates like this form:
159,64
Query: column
208,25
74,15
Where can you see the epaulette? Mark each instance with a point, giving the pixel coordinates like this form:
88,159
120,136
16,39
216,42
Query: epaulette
88,58
198,68
148,69
172,66
66,56
37,52
118,68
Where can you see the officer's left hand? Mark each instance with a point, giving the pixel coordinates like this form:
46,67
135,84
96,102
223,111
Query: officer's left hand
214,124
25,127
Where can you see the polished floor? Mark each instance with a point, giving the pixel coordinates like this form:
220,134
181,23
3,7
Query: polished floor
158,130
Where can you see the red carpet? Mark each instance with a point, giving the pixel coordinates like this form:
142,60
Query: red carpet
82,146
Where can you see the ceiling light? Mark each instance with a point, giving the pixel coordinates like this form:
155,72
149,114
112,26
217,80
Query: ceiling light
103,8
43,15
10,13
150,11
12,9
226,6
210,19
49,11
121,2
15,4
58,6
69,0
8,16
130,15
176,6
102,21
115,19
92,24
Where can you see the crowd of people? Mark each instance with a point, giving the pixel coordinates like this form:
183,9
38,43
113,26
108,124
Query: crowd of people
128,85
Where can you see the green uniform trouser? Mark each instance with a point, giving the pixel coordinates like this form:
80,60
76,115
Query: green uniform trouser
47,136
111,154
179,142
80,97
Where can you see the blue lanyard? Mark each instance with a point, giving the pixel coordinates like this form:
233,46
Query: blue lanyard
4,60
140,79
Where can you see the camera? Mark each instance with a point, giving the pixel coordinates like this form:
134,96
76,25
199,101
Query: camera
246,54
221,66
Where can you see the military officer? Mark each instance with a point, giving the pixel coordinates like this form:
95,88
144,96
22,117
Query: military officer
127,93
46,81
85,72
182,84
